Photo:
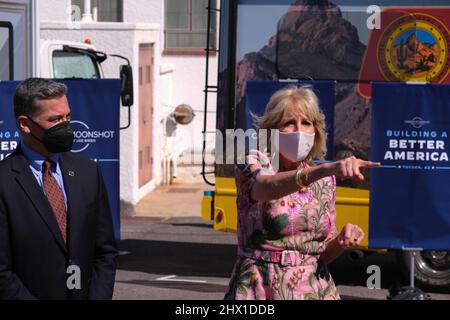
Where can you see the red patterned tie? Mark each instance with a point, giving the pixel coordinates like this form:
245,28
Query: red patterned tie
55,197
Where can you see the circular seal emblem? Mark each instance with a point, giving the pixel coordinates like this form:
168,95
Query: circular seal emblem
414,47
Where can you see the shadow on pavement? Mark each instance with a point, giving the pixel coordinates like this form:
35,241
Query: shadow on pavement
187,259
349,272
177,258
217,260
347,297
196,225
346,271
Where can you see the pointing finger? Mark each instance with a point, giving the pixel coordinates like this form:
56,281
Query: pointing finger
369,164
357,173
349,167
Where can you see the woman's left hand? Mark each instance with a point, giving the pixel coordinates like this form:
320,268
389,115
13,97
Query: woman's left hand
350,236
349,168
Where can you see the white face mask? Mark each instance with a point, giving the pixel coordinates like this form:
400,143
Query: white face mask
295,146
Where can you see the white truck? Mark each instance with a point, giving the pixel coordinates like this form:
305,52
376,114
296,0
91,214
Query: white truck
23,54
19,39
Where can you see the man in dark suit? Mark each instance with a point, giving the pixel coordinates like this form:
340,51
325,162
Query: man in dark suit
56,234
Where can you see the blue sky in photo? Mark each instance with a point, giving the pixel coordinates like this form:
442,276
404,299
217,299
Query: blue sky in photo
422,36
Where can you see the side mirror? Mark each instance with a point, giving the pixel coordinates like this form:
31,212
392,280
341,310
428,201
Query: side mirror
126,88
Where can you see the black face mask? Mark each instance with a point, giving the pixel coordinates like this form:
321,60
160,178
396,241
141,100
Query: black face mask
58,138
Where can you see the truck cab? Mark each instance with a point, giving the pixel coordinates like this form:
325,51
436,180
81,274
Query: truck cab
24,54
65,59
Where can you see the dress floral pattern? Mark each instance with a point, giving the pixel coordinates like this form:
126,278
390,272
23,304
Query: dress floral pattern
304,222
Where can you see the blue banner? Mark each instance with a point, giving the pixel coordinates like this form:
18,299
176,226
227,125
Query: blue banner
410,193
95,110
259,92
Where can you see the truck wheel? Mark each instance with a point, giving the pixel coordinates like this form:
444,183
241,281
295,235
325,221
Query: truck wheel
432,268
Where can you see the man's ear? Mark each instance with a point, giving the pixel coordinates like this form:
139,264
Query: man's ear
23,124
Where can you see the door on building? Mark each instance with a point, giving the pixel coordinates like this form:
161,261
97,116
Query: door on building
145,113
17,40
6,51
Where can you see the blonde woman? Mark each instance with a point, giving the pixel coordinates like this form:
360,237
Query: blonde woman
286,219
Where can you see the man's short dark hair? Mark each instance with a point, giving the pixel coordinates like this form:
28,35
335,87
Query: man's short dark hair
31,91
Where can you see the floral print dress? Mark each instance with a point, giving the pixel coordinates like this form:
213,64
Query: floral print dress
304,222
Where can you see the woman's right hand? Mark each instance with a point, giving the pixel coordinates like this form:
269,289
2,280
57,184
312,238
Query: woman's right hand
350,236
350,168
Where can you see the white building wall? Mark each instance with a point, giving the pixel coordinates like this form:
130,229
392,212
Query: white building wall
177,80
123,39
51,10
188,85
143,11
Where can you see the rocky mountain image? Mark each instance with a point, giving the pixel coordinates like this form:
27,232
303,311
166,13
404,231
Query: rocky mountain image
314,41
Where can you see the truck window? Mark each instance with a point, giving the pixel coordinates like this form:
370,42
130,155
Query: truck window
6,54
74,65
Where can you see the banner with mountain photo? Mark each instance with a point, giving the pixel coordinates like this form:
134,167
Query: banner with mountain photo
350,42
410,192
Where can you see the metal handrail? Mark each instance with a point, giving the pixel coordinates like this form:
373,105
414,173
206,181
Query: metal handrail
207,90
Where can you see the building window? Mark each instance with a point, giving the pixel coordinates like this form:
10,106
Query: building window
187,22
103,10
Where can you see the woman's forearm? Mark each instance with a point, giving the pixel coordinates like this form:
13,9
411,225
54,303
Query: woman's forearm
333,250
270,187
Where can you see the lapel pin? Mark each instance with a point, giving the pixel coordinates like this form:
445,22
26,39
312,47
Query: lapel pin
71,174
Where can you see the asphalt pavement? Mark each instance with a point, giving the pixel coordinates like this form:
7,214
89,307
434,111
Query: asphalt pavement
182,258
169,253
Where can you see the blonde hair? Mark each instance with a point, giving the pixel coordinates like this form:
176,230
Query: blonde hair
306,101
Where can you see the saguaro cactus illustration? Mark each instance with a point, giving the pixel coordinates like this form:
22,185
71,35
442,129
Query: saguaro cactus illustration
402,55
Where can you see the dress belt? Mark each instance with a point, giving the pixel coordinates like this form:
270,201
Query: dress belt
286,258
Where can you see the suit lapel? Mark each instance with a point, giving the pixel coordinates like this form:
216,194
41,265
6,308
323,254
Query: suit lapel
28,182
